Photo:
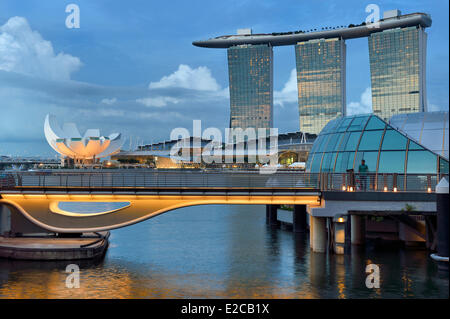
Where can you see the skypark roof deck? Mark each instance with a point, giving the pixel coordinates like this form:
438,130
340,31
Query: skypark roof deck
290,38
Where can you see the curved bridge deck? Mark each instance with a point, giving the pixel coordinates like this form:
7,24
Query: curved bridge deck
143,194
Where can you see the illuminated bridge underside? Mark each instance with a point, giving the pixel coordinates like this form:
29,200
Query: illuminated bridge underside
41,209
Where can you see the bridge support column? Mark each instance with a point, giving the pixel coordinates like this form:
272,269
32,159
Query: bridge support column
267,214
358,230
339,237
311,231
442,198
299,219
5,220
319,234
273,215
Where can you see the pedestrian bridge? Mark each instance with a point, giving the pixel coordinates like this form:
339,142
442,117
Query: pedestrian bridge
75,201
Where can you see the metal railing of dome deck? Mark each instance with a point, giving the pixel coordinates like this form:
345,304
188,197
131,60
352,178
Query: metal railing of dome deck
246,179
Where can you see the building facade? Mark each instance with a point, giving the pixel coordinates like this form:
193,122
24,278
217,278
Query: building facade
250,69
321,82
397,70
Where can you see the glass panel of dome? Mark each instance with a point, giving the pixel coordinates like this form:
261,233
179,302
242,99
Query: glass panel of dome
315,167
413,125
433,120
352,141
370,158
375,124
443,166
344,124
343,141
414,146
421,162
392,162
433,141
358,123
324,143
333,141
393,140
370,140
341,162
351,158
326,162
331,126
414,134
316,143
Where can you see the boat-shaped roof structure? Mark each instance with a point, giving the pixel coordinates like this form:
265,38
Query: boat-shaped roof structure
290,38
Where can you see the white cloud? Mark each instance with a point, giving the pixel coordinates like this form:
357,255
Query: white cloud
109,101
186,77
363,106
289,93
159,101
23,50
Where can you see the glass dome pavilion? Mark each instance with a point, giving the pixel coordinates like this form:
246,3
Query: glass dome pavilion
412,144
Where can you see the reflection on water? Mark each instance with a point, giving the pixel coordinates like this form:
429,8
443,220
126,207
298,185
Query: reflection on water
224,252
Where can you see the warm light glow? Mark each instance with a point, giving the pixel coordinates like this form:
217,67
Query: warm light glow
385,188
350,189
343,188
395,189
340,220
429,189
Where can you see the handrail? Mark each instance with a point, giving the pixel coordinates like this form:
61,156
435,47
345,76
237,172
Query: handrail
249,179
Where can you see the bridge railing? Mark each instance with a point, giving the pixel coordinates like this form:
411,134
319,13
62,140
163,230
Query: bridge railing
348,182
161,179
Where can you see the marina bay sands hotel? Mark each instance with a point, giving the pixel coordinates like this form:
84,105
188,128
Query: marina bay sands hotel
397,52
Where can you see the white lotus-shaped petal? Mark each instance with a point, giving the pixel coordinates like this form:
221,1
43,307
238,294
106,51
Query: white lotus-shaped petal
68,141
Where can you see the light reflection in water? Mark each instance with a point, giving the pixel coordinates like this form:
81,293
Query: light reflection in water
223,252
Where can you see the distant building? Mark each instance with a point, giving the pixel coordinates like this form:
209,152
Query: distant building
321,82
397,46
397,71
250,70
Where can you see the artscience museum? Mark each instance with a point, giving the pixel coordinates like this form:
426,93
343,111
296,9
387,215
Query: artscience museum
86,148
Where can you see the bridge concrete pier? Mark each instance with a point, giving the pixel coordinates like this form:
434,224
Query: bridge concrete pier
272,215
299,219
442,205
339,237
5,220
358,231
319,234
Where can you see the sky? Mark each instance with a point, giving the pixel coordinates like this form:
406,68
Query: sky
131,67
